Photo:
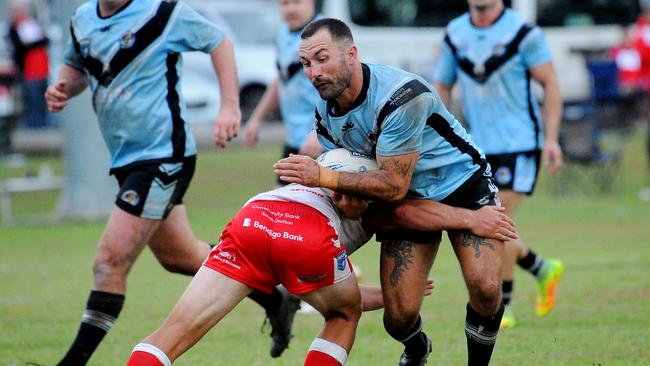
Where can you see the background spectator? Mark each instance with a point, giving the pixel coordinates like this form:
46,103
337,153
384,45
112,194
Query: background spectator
30,56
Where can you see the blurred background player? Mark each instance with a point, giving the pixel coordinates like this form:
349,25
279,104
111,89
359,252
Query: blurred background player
495,53
291,90
642,45
29,44
142,118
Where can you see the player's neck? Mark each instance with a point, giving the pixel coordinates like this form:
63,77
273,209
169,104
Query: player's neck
346,100
485,17
110,7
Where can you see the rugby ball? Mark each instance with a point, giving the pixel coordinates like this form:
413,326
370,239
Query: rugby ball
347,161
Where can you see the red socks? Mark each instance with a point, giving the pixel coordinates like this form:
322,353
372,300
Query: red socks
316,358
148,355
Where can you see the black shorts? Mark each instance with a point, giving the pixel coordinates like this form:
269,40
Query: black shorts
285,154
150,189
516,171
477,191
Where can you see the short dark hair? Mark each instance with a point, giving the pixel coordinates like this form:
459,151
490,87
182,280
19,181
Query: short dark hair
337,29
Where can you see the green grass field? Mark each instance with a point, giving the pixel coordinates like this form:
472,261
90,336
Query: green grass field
602,316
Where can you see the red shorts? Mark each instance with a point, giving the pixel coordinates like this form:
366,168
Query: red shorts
273,242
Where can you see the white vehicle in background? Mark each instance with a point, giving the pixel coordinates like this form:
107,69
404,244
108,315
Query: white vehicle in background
251,26
408,33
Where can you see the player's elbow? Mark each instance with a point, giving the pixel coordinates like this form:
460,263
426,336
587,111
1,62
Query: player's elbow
396,193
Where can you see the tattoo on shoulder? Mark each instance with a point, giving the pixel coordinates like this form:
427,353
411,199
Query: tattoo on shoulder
402,253
471,240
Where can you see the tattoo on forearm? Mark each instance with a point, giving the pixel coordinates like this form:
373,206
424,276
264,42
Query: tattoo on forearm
471,240
402,166
402,253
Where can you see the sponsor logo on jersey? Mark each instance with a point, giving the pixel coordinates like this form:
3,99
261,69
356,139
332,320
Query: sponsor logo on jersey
341,261
131,197
226,257
127,40
247,222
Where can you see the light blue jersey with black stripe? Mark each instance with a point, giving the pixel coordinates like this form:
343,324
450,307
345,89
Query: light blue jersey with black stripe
134,64
492,65
399,113
298,97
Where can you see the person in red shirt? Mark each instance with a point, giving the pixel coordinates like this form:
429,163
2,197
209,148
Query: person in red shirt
31,58
628,63
642,44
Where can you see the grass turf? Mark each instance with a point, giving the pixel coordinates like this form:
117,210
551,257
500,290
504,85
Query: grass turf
601,318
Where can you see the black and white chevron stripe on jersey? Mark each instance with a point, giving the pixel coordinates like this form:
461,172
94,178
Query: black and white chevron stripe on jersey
144,37
482,72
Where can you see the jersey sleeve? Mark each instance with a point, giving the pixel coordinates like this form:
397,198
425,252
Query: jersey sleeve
192,32
401,131
70,56
445,72
535,50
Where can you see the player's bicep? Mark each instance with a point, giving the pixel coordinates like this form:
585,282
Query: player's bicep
543,73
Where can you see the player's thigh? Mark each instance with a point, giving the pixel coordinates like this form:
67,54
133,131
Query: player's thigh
480,259
123,239
175,241
511,200
343,296
404,270
208,298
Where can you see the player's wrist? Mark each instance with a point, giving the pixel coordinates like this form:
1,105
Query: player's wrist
327,178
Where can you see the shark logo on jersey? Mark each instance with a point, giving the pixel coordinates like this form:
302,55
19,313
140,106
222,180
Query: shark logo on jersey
499,49
127,40
131,197
84,47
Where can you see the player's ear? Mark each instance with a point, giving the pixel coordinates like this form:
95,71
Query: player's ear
352,55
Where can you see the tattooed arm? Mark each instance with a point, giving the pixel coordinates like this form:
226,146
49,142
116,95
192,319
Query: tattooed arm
390,183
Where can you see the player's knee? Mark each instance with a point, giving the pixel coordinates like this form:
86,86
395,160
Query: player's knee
486,294
110,264
179,265
350,314
399,320
401,307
